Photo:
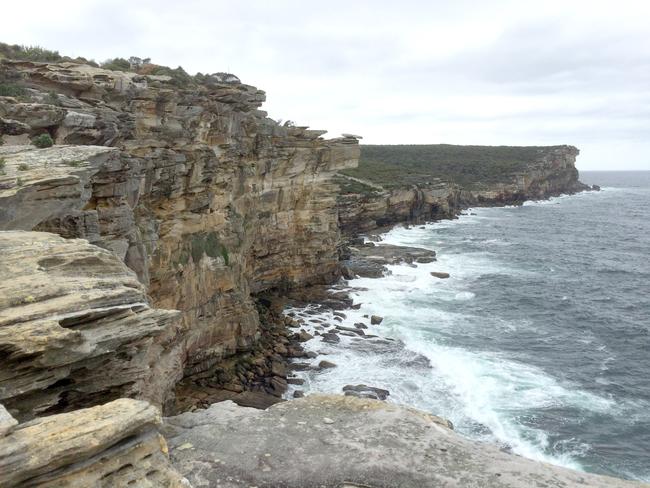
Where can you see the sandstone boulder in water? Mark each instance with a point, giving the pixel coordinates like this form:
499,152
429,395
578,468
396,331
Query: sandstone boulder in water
440,274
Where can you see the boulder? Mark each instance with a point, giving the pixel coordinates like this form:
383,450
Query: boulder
364,391
439,274
376,319
331,337
326,365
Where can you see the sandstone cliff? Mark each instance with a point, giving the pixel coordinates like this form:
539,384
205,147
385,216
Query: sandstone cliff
133,253
202,195
392,194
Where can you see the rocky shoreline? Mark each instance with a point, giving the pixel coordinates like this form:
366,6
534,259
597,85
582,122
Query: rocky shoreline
152,257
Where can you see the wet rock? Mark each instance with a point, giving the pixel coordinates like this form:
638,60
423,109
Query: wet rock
360,325
331,338
303,336
376,320
356,331
300,366
298,394
295,381
424,260
278,386
365,391
326,365
439,274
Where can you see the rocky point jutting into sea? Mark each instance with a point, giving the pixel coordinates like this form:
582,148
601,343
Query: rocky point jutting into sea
146,255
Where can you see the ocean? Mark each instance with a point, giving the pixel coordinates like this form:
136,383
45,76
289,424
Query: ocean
540,339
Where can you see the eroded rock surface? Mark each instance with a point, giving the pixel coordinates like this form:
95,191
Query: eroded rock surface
206,198
116,444
77,328
365,206
334,441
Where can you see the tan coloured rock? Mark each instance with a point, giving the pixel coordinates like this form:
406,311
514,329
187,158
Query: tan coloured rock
332,441
116,444
7,422
77,328
553,172
206,198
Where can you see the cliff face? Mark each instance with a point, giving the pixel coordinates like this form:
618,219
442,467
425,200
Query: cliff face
205,198
366,205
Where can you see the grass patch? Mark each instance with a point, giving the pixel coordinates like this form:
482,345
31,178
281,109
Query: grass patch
23,167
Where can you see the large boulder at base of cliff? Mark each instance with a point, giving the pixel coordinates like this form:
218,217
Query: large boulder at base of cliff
335,441
376,319
116,444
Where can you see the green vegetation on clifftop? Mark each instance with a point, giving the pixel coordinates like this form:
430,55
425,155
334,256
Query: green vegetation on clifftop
393,166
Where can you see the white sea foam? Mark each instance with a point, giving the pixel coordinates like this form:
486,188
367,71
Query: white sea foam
485,394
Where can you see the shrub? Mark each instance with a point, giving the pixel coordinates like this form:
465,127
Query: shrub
2,141
117,64
3,163
179,76
11,90
43,141
23,167
19,182
28,53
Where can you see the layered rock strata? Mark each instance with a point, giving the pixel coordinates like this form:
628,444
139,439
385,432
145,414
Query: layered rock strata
203,196
116,444
369,206
77,328
336,441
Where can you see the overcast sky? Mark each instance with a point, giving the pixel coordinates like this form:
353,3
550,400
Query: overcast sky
459,72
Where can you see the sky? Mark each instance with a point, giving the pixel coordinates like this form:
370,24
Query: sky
396,72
